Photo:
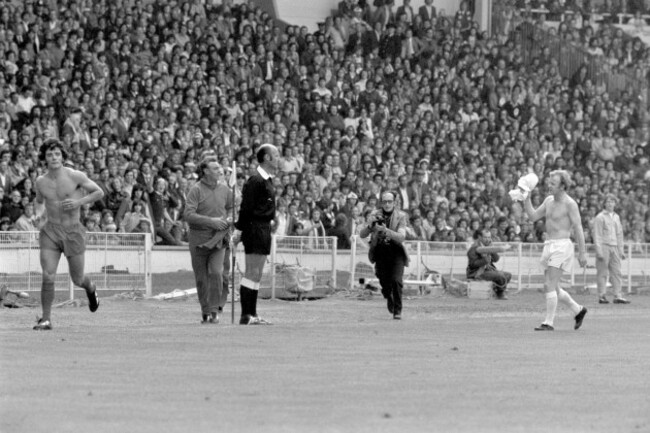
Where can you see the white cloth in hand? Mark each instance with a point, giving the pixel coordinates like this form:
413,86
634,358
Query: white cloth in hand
528,182
518,194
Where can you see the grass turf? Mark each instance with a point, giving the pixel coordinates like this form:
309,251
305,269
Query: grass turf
334,365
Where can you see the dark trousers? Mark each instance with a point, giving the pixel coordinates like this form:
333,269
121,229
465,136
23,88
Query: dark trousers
227,264
499,278
391,278
207,264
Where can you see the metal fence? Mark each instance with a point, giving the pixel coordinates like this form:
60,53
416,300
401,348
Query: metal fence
113,261
522,260
316,256
123,262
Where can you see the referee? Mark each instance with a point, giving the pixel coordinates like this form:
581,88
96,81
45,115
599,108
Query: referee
255,215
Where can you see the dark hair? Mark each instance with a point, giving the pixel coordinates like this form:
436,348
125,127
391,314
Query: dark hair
137,202
479,231
204,164
50,145
136,188
315,209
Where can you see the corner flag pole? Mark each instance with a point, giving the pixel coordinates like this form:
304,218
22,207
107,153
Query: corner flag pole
233,185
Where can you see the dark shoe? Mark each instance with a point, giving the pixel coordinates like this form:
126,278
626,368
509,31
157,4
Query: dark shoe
621,301
205,318
43,325
214,318
93,299
245,320
397,316
603,300
579,318
502,296
544,327
257,320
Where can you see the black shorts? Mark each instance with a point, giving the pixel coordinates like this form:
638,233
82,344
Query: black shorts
257,238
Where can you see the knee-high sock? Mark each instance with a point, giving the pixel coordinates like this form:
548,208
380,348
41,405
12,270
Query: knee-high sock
244,299
254,293
47,298
246,294
551,306
567,300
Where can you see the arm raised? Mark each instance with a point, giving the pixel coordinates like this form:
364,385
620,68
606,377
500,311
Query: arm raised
535,214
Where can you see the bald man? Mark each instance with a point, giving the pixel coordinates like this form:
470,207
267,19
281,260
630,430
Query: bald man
255,215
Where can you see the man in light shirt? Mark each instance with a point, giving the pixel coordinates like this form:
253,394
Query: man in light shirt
608,239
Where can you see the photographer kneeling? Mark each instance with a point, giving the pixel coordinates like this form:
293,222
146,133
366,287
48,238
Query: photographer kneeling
480,262
387,227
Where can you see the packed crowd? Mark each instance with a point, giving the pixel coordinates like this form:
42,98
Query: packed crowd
381,96
591,25
585,7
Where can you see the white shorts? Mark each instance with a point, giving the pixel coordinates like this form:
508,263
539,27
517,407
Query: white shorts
558,253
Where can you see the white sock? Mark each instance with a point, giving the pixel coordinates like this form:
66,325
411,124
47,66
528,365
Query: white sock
567,300
551,306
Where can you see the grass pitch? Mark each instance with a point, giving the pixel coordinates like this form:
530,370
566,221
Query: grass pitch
334,365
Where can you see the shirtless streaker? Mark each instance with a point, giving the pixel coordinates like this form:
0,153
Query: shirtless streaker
60,193
562,219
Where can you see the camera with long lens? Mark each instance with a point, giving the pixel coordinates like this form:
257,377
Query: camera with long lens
379,220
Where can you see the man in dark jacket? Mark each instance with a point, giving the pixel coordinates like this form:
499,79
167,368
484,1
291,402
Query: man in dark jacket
480,262
255,215
387,228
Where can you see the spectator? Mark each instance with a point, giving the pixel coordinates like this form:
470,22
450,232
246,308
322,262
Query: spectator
26,222
341,231
132,218
165,227
608,240
314,229
5,226
135,103
13,207
5,179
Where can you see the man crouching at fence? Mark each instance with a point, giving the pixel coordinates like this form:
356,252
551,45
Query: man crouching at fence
480,262
60,194
387,228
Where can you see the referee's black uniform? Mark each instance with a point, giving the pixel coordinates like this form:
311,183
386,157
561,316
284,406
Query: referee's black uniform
256,213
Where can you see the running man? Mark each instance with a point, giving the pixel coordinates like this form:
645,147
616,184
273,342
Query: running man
255,215
60,193
562,218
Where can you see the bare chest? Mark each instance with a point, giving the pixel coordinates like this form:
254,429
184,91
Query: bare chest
556,211
59,189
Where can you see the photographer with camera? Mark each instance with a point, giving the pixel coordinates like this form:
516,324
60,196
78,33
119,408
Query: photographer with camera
387,228
480,262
